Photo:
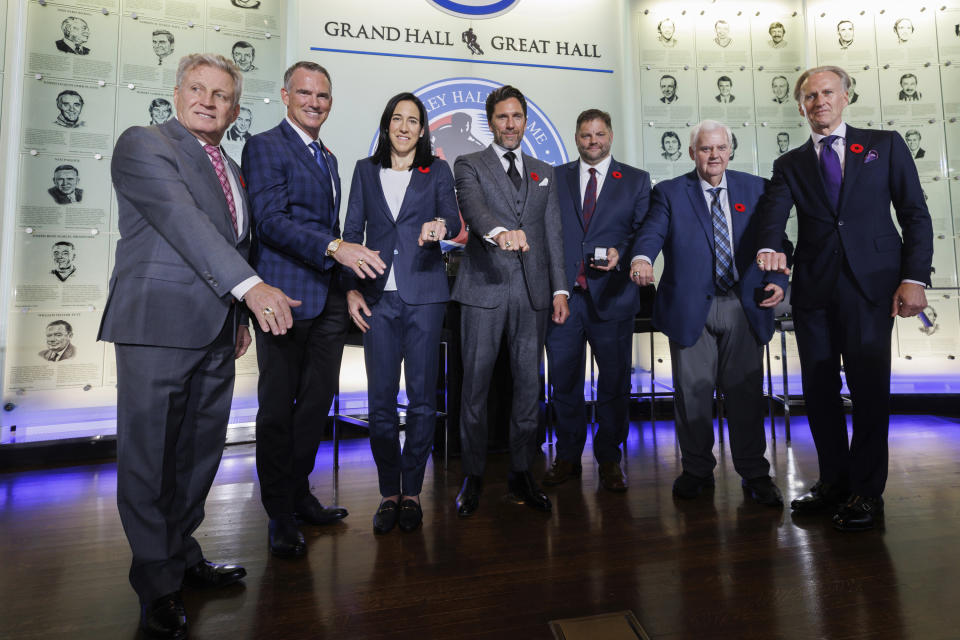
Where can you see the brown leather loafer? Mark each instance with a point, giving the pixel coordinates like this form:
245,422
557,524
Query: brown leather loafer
561,471
612,478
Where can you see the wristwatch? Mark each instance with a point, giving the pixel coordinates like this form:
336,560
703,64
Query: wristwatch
333,246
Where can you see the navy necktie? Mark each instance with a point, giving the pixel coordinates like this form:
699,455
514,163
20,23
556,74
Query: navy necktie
830,170
321,161
723,249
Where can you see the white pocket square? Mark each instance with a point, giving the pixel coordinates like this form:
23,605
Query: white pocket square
544,182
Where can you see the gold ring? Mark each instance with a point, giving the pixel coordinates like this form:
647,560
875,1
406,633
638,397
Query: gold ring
636,274
759,262
267,311
360,262
433,234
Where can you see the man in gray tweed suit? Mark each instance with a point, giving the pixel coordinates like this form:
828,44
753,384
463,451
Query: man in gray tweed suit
510,281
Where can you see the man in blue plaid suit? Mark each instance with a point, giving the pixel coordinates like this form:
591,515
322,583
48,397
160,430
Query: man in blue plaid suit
294,190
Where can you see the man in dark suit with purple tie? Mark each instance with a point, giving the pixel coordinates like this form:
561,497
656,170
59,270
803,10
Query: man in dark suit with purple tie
295,193
602,203
852,274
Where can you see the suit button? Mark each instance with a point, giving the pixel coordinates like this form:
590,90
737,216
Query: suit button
840,224
836,251
709,297
396,251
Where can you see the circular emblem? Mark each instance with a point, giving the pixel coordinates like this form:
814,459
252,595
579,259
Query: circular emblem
739,207
475,9
534,176
456,111
616,175
423,169
856,148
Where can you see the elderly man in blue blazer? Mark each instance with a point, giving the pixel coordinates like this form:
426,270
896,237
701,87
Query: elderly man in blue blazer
295,196
707,305
602,203
174,316
853,274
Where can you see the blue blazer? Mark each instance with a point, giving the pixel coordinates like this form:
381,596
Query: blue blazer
680,224
419,271
878,171
295,216
621,206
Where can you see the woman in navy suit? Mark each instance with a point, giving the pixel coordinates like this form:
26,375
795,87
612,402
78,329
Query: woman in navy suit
406,204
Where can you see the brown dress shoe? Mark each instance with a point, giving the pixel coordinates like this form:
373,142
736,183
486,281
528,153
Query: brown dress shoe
612,478
561,471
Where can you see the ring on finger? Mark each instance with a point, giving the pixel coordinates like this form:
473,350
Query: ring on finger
360,262
507,243
267,311
433,234
636,274
760,262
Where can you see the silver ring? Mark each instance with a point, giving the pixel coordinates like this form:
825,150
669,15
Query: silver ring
759,262
267,311
507,243
433,234
636,274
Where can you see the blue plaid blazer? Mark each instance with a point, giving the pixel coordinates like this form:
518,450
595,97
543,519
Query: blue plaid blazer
295,213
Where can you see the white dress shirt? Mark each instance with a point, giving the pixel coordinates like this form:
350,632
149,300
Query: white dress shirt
394,185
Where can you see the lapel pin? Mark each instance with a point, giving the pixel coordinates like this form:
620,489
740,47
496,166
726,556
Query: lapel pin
423,169
534,176
616,175
739,207
856,148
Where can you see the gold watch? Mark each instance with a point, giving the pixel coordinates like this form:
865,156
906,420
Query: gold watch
333,246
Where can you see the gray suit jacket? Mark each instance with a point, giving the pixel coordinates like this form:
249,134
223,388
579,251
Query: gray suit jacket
178,257
488,200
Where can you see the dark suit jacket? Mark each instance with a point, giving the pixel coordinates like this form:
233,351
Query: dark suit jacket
861,227
178,256
51,355
63,46
487,200
61,197
419,272
621,206
680,224
295,216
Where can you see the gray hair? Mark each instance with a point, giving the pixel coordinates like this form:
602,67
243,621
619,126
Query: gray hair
841,73
309,66
192,61
708,126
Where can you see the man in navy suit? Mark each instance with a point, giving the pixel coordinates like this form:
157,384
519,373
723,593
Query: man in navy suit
602,203
294,192
852,275
704,224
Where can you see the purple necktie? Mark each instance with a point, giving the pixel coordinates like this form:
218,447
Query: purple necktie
830,170
589,206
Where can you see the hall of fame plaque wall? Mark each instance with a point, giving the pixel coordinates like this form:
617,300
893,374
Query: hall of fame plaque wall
738,63
93,69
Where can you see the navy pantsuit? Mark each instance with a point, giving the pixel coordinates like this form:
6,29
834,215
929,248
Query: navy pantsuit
405,324
848,263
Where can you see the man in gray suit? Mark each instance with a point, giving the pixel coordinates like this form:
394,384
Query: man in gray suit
181,269
510,279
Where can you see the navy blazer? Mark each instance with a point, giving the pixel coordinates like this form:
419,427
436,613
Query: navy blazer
419,271
621,206
680,224
295,216
878,171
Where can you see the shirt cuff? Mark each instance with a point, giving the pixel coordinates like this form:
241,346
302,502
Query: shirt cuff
765,250
922,284
241,289
493,232
644,258
559,291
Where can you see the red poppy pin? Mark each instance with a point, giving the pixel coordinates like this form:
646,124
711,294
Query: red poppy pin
242,183
534,176
616,174
856,148
739,207
423,169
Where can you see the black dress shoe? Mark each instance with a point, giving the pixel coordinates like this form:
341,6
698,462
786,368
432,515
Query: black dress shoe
561,471
165,617
312,512
411,516
522,486
612,478
689,486
286,541
385,517
859,514
822,496
764,491
206,574
469,497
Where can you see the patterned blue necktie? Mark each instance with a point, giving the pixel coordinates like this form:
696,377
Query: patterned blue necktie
723,265
320,158
830,170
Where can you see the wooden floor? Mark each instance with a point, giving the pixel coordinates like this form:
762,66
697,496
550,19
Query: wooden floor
718,567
